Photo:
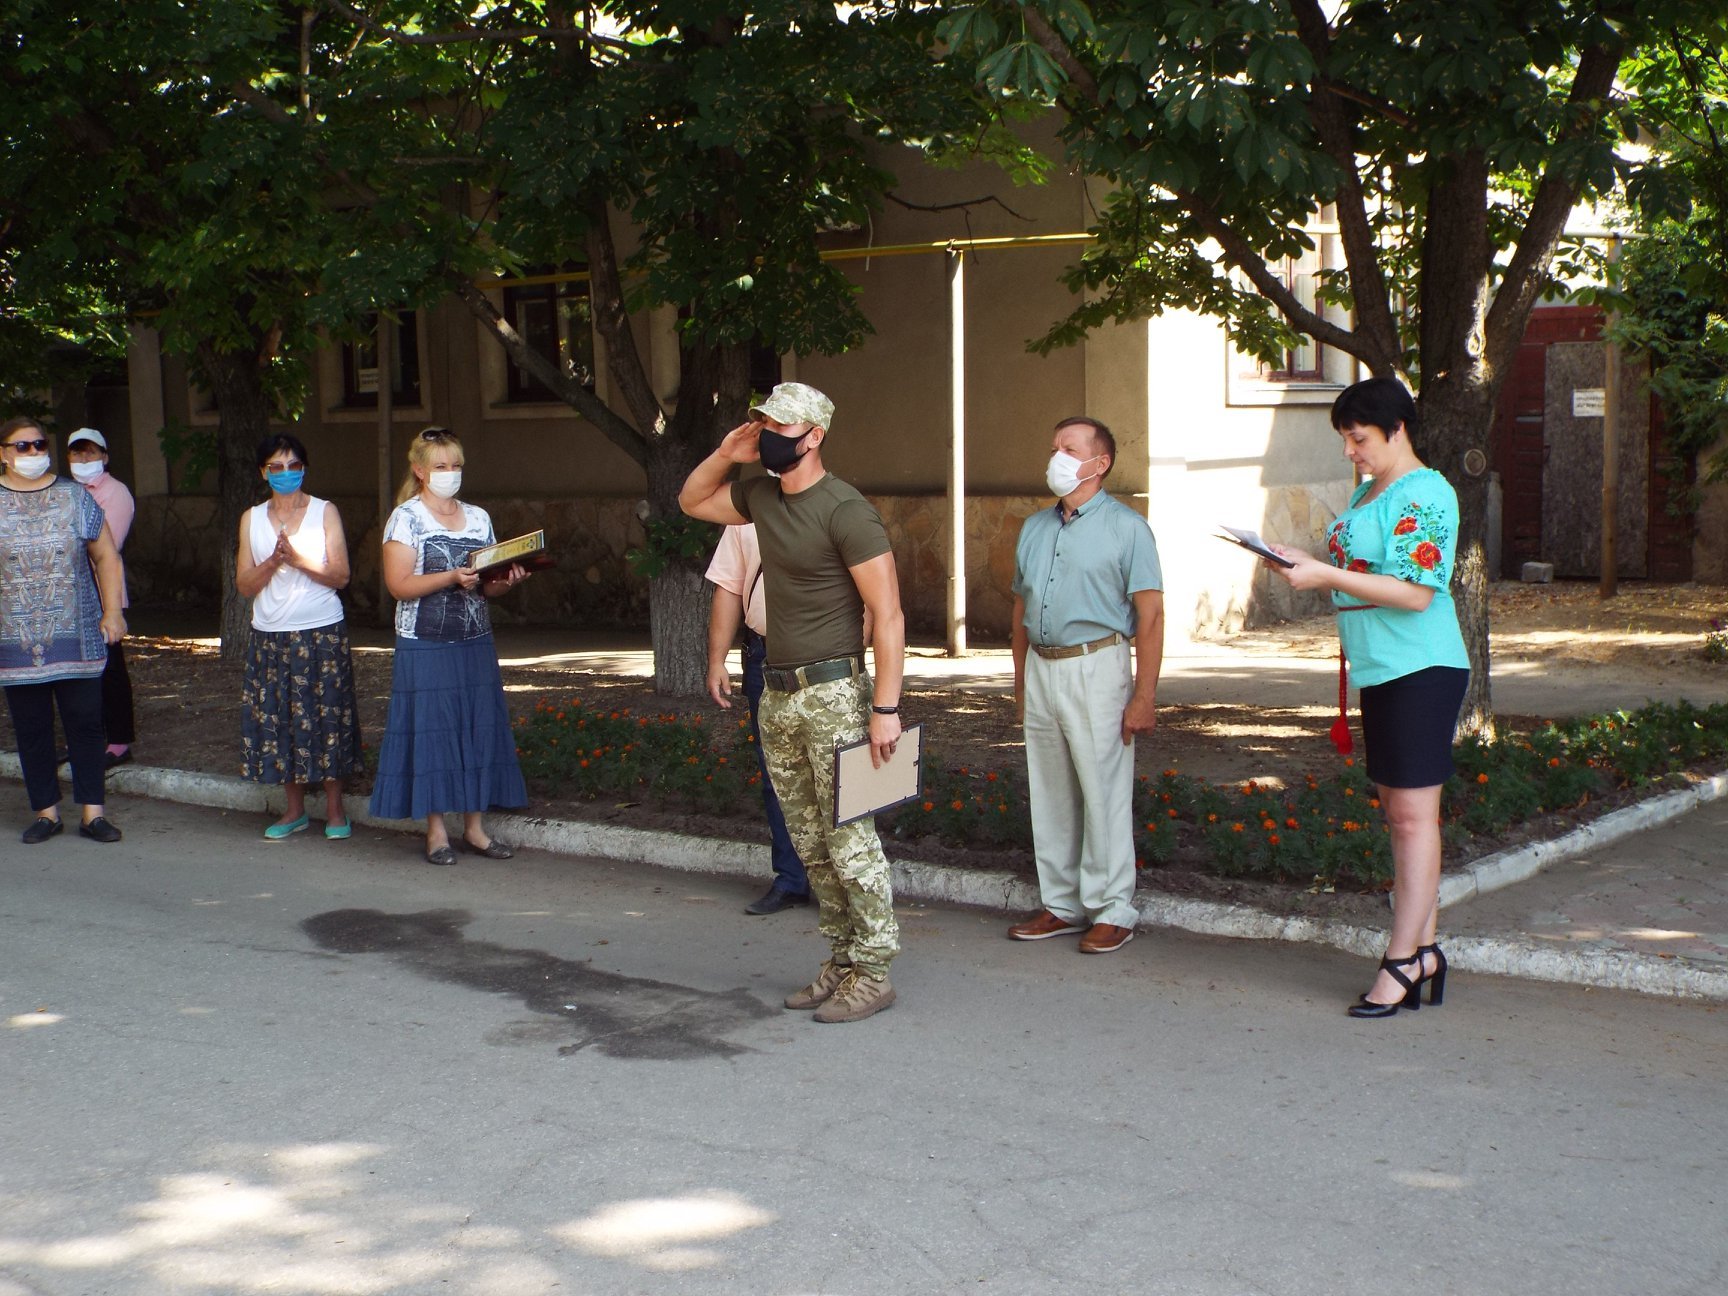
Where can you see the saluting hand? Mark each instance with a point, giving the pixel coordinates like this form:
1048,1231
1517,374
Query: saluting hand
739,445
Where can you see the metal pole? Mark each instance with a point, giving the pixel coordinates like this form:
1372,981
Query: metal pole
1609,584
386,414
956,452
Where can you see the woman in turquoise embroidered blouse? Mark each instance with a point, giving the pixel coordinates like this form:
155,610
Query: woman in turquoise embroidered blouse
1388,567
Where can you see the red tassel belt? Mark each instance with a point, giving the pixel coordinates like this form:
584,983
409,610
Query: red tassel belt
1340,733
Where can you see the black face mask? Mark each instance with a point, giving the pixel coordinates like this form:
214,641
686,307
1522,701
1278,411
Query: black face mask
779,453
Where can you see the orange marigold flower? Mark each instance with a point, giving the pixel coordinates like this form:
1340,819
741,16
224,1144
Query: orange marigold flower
1482,778
958,804
1350,761
1553,762
1169,773
990,777
1375,802
1235,827
1212,818
1290,822
1171,812
1272,840
1268,825
929,806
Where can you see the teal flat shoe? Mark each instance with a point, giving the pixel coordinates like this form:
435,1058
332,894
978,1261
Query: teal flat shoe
339,832
278,831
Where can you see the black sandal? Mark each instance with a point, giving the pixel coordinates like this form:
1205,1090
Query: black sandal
1367,1008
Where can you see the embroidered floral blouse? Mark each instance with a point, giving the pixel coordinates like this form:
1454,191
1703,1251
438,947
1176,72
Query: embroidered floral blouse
1409,531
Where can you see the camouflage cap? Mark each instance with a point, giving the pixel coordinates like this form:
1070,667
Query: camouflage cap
796,403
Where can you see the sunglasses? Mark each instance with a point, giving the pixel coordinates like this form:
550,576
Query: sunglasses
436,434
34,447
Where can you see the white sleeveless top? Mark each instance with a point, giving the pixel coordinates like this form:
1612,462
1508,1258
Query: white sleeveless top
292,600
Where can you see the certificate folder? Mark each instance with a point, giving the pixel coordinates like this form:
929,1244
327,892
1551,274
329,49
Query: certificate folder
1251,541
861,789
528,550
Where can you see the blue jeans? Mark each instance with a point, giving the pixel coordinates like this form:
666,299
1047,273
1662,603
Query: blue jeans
788,868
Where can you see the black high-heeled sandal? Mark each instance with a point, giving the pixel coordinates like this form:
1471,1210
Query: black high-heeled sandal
1437,978
1367,1008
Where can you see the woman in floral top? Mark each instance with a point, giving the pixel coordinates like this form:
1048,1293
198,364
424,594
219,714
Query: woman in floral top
1389,568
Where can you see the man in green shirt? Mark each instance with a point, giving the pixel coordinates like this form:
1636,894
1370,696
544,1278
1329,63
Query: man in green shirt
826,559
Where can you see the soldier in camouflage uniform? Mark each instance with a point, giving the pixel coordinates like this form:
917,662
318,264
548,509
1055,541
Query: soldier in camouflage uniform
826,559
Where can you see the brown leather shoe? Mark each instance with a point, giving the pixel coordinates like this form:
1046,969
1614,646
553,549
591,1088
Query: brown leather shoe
856,998
1103,938
1042,926
827,980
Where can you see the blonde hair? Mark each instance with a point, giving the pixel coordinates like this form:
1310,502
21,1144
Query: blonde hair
420,451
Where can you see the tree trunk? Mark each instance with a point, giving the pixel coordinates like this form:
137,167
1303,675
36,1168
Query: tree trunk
713,392
243,420
1456,418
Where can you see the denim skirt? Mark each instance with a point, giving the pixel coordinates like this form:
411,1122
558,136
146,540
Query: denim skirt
447,744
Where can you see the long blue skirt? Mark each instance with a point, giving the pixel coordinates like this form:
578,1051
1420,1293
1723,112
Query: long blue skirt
447,741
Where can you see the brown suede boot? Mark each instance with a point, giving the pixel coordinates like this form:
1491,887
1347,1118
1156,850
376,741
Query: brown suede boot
856,998
826,982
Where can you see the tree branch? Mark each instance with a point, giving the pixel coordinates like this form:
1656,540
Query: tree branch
571,392
1057,48
612,322
1239,253
1374,318
963,203
1555,196
471,35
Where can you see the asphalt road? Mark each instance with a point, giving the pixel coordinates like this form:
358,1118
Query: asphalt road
313,1067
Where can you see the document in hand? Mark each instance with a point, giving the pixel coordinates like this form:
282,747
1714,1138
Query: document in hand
529,551
861,789
1251,541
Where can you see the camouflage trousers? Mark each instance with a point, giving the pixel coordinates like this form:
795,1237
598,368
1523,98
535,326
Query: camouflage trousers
848,871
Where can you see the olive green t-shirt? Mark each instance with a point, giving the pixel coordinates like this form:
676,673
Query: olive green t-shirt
809,543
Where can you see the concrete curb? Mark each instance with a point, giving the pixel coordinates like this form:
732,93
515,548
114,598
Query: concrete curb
1492,872
1004,892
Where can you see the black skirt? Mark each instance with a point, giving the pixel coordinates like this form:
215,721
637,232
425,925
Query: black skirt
1407,726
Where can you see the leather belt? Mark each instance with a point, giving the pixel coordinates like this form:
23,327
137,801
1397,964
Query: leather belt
1079,650
791,679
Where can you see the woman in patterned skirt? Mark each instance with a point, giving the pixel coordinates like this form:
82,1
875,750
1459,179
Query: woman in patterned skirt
299,724
447,741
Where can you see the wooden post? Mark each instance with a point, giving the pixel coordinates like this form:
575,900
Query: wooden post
956,452
1609,584
386,496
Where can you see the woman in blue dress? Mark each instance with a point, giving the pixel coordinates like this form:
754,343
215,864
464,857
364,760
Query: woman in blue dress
447,743
1389,569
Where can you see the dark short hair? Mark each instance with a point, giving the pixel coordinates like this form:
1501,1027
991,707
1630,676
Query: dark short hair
1102,436
11,425
1383,403
277,441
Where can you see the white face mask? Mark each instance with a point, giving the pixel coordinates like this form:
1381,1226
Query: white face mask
89,471
1063,475
444,484
30,467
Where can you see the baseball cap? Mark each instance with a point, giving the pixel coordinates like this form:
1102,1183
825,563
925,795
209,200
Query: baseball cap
796,403
88,434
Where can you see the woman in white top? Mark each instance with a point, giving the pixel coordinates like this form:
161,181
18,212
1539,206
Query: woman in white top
448,745
299,723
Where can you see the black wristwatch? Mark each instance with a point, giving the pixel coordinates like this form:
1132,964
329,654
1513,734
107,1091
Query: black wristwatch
893,710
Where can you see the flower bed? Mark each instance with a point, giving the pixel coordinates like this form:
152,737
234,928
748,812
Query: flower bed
1325,829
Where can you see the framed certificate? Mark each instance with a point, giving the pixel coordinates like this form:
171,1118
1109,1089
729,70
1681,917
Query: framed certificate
528,550
861,789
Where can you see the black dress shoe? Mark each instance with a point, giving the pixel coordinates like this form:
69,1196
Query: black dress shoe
42,830
111,759
99,829
774,900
